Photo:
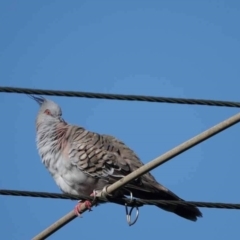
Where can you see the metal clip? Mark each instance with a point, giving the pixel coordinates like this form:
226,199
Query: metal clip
128,214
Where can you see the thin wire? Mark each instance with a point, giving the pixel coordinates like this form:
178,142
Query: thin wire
121,201
121,97
7,192
137,202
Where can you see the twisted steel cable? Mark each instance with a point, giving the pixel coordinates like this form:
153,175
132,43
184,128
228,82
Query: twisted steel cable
121,97
122,201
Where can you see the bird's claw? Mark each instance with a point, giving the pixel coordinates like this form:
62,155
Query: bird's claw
87,203
78,207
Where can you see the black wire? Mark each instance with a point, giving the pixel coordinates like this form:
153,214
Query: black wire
41,194
120,97
120,201
136,202
218,205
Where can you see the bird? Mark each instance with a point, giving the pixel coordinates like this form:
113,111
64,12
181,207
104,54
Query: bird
83,162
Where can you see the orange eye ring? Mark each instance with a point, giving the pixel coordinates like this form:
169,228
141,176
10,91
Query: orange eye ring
47,111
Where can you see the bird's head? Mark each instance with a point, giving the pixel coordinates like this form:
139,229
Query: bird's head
49,112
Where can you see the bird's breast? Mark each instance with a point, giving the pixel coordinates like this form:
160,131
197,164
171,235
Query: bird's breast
55,156
67,176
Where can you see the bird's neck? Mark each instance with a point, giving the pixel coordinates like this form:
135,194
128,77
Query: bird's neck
50,139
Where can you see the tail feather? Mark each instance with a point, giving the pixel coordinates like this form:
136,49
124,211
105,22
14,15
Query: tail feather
188,212
160,193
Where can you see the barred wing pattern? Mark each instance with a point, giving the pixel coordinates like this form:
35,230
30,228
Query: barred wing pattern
104,156
95,155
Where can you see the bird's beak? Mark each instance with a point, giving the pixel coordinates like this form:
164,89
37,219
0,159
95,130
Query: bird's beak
38,99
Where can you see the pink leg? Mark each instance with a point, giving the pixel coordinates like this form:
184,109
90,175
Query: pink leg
87,203
77,208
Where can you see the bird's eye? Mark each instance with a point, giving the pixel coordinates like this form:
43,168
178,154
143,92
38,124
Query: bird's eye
47,111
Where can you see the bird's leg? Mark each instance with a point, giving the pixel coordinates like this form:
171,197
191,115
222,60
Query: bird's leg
87,203
78,207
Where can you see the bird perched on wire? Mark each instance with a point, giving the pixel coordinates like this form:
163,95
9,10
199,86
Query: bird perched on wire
83,162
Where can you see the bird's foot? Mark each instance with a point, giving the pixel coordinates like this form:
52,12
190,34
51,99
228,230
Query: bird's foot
78,207
87,204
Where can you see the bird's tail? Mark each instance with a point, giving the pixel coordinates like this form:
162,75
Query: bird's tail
188,212
161,193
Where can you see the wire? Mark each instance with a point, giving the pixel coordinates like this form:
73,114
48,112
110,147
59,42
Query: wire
41,194
121,97
6,192
138,202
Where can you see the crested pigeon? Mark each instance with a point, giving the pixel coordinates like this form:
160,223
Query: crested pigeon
82,162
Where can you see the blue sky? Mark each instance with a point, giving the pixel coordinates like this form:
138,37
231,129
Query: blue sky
163,48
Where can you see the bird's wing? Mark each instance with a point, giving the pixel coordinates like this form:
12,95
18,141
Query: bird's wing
104,156
134,163
96,155
128,155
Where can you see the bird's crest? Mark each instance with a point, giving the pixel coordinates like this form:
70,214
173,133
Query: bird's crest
38,99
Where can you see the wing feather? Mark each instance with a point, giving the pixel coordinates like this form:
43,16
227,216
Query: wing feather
104,156
96,155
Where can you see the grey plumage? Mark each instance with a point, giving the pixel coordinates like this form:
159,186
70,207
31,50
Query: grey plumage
82,161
